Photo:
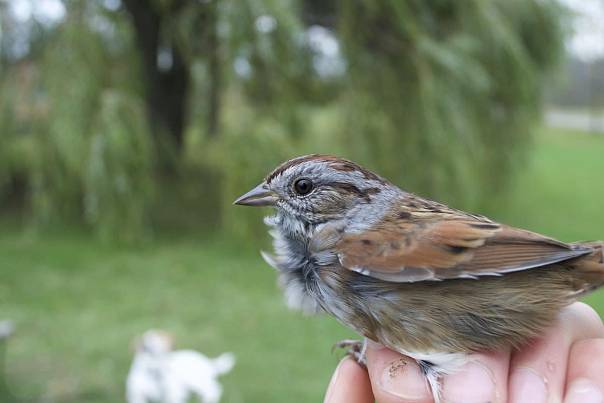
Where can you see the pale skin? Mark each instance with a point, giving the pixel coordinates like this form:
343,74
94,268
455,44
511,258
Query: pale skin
565,365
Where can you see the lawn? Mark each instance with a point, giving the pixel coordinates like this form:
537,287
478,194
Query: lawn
79,304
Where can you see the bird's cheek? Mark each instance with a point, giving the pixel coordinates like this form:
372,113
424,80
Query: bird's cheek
332,205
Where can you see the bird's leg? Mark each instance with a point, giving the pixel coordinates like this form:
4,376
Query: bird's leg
363,359
357,349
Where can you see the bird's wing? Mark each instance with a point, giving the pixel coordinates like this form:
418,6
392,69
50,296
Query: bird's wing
434,243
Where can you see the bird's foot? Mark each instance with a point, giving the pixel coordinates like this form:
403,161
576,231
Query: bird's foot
354,348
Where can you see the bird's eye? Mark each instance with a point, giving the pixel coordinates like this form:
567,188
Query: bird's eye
303,186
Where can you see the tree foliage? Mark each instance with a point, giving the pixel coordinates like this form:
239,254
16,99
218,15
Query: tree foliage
448,89
440,96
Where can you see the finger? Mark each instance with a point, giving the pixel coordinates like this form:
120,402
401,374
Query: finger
483,379
585,373
349,383
395,378
538,371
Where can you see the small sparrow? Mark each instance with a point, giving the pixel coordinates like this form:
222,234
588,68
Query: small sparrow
414,275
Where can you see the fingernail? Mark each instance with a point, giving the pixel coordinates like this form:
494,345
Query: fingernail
583,390
332,382
403,379
527,386
473,383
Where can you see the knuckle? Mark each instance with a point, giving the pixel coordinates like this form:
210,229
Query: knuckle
592,348
585,319
586,359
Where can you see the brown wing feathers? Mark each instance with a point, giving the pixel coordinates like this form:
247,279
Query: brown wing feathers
448,244
513,249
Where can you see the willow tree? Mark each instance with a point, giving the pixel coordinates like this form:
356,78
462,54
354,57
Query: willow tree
438,95
444,94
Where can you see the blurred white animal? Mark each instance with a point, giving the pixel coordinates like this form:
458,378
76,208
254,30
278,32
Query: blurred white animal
7,328
159,374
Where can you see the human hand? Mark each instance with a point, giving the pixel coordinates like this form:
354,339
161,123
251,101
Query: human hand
566,364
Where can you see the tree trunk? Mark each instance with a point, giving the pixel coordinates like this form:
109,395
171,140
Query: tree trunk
213,48
166,85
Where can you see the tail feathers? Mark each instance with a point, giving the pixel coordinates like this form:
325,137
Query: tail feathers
591,267
224,363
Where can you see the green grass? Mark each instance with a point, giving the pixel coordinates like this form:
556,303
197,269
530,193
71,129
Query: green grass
78,305
561,191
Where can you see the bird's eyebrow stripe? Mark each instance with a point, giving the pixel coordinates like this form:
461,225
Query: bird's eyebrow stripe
339,164
296,161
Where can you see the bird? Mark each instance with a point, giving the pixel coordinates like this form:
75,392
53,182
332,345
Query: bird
426,280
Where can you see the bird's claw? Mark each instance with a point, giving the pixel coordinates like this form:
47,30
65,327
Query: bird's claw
354,348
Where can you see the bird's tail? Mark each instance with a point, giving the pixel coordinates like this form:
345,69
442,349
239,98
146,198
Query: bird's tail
224,363
591,267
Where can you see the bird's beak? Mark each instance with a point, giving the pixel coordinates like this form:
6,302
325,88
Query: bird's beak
261,195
